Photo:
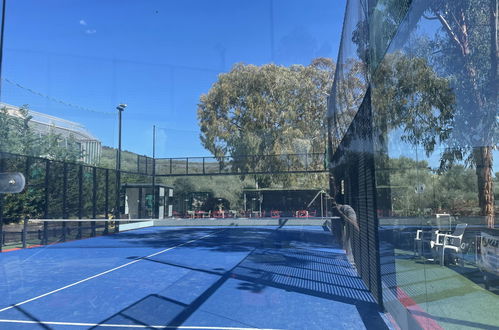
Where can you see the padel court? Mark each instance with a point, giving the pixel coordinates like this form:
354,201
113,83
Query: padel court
205,277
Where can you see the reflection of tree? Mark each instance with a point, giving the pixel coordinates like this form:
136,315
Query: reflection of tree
414,92
408,94
349,91
453,191
468,50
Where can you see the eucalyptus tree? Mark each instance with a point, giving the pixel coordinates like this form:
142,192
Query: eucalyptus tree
266,110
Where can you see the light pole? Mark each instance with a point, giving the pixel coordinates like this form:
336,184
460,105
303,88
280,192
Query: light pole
120,109
154,207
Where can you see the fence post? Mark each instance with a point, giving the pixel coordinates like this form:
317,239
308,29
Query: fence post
80,199
106,202
64,199
46,209
94,198
25,232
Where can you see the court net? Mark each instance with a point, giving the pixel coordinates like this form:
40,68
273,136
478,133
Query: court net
33,232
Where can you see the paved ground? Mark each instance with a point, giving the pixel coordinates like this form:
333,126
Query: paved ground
244,277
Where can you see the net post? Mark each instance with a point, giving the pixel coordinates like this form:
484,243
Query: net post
25,232
187,165
45,233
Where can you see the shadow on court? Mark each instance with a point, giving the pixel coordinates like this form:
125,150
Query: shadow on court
238,277
283,270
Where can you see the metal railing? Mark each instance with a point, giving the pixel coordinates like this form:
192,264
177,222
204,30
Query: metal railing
241,165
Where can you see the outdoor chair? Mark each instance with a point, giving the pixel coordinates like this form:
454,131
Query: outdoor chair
302,214
452,242
422,237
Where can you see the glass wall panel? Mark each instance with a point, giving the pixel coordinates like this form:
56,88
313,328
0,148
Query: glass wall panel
434,101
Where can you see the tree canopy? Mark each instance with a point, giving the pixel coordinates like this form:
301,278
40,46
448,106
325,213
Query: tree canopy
266,110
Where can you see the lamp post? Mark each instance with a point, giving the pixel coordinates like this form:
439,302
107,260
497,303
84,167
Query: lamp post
155,214
120,109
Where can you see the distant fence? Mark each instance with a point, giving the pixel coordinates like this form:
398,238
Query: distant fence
67,190
224,165
241,165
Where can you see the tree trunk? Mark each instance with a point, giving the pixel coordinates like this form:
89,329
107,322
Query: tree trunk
483,158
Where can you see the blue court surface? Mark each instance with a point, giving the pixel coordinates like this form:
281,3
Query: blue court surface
289,277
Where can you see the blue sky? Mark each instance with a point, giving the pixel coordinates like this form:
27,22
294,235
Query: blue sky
158,56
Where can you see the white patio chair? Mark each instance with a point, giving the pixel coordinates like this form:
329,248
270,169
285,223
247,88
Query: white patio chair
452,242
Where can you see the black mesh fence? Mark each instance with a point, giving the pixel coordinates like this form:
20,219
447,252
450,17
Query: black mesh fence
354,180
144,165
59,190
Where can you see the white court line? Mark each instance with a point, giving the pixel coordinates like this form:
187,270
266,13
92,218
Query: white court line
129,325
103,273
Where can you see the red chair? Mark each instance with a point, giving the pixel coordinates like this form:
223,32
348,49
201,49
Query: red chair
302,214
